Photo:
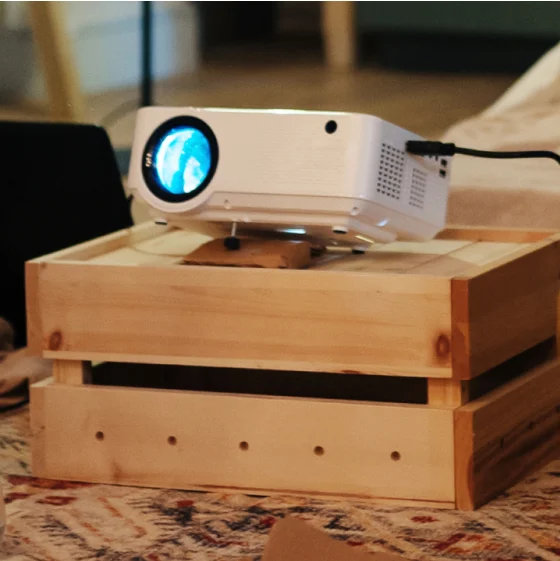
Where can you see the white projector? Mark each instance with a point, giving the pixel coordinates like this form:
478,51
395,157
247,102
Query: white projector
333,178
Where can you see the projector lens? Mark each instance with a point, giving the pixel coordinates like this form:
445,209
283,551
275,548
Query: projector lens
180,159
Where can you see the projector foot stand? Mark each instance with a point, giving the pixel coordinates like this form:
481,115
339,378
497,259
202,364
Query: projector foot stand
232,242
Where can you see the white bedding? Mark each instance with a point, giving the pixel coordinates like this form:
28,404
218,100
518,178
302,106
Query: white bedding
511,193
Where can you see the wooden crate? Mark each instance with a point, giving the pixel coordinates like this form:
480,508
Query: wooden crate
422,373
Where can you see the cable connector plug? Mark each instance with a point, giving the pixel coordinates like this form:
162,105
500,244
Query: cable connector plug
435,148
430,148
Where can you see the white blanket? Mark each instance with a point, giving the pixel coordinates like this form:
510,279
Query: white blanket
511,193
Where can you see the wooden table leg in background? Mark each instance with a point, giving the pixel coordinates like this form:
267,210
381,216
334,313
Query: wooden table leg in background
66,101
339,34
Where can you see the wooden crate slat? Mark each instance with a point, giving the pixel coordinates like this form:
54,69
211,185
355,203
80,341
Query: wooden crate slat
106,244
496,234
506,435
397,257
34,316
445,258
166,248
388,312
505,308
465,259
175,439
449,392
252,318
72,372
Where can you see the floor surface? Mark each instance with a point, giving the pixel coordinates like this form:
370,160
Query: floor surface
272,76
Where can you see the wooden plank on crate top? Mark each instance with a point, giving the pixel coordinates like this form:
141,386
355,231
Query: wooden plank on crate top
504,308
182,439
443,257
105,244
150,244
396,257
247,318
465,259
168,247
495,234
506,435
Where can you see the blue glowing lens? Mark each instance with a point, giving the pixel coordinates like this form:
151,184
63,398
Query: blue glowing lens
182,160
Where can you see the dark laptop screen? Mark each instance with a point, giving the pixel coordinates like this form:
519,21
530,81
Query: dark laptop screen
59,186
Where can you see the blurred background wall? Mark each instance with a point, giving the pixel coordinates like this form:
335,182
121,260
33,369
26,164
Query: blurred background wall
105,40
423,65
459,36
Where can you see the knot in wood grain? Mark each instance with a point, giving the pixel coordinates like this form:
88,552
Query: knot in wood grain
443,347
55,341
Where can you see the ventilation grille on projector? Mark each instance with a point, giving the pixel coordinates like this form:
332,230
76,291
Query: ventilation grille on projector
391,170
418,188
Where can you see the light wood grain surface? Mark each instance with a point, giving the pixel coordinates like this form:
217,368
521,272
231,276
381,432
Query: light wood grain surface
509,306
400,309
255,318
506,435
180,439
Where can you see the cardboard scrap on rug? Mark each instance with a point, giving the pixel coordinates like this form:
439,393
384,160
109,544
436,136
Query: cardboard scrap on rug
292,539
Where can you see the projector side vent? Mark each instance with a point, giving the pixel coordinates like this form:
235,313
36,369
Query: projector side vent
391,171
418,188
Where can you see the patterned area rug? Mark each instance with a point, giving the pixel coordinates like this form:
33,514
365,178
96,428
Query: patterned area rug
50,520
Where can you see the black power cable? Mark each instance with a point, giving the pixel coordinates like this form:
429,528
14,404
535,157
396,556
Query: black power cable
434,148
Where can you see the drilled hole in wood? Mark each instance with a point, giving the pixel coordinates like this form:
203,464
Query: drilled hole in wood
319,450
395,456
244,446
99,435
172,440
